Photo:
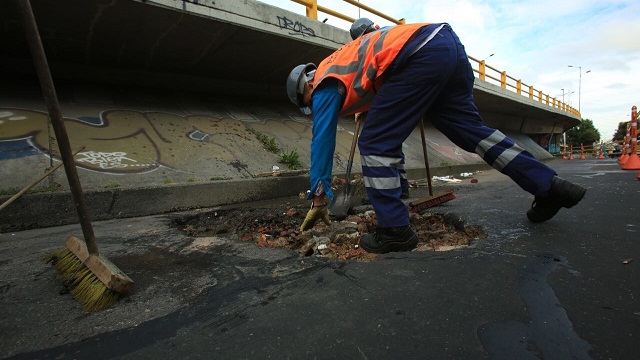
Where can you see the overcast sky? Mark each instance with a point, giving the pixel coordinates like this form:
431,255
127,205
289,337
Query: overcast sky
535,41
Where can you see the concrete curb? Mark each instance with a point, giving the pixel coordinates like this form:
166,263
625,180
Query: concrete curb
39,210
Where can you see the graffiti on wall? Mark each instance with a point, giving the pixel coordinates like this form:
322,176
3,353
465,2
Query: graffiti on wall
112,160
126,141
295,27
136,142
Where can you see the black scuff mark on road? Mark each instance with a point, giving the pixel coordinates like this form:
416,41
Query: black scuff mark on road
549,333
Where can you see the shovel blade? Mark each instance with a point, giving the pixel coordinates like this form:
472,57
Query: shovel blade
341,204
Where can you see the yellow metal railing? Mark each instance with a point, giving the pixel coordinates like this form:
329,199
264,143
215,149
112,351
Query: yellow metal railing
493,75
483,71
313,8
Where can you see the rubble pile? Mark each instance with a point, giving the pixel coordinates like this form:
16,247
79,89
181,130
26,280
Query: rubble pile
279,227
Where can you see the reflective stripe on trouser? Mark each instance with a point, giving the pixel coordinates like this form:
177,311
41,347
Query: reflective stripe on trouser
382,180
436,82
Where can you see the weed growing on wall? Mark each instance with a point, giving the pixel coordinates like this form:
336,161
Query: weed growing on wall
291,159
268,142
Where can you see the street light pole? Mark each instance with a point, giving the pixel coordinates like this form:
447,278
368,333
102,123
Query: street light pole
579,84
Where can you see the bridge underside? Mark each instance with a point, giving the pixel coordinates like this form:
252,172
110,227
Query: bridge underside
157,44
245,48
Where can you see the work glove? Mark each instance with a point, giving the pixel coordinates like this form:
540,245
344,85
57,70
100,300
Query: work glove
316,213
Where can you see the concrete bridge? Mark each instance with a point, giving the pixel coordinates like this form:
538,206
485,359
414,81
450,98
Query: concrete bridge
168,92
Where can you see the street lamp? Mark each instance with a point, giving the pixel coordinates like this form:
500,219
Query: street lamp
579,84
564,134
566,93
487,57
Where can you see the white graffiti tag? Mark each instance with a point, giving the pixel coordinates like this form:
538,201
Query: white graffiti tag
106,160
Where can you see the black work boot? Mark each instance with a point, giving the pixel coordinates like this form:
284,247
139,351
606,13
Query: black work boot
386,240
563,194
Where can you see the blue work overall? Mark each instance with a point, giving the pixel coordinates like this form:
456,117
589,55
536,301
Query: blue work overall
435,82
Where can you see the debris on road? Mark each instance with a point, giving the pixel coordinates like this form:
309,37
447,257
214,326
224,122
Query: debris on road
447,179
278,227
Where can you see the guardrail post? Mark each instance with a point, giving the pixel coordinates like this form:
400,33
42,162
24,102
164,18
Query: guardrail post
519,87
531,92
503,79
481,70
312,9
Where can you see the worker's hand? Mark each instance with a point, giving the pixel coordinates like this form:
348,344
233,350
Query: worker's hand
317,212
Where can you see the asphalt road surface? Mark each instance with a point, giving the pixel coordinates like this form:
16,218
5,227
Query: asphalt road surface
565,289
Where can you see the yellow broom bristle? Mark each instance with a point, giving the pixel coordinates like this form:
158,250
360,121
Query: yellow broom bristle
68,265
75,279
85,287
92,294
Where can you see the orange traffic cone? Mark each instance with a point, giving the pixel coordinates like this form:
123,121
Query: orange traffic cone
582,157
633,162
623,153
601,155
623,158
571,152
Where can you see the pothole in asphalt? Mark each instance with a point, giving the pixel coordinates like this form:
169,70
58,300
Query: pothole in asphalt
278,227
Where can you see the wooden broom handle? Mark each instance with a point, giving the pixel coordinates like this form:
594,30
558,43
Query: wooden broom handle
51,99
426,158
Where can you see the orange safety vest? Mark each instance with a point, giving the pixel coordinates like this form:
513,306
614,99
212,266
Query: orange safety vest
360,64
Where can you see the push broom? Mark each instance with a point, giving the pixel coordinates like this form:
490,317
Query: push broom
92,279
431,200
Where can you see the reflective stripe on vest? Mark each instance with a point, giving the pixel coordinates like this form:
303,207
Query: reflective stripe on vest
360,64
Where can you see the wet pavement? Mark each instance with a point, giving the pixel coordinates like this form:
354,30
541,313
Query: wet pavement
567,288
